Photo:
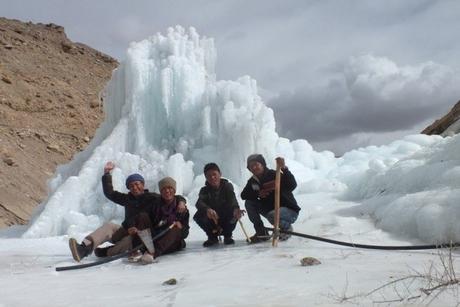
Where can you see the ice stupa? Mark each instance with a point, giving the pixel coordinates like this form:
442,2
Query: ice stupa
167,115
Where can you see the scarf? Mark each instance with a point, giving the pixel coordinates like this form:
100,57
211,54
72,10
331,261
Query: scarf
167,212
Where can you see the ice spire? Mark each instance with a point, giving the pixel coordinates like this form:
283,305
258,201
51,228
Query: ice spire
166,115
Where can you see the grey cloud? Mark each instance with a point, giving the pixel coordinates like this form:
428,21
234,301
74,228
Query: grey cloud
297,50
372,95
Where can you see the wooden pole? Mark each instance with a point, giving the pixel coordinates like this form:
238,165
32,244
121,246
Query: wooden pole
276,230
248,239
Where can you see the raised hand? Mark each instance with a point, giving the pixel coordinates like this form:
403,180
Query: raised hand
109,166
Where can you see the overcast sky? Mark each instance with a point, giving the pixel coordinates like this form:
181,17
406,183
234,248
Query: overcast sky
340,74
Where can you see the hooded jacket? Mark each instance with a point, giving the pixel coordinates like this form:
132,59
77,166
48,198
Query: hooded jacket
263,189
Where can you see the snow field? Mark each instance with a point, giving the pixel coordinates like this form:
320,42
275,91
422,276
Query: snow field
168,115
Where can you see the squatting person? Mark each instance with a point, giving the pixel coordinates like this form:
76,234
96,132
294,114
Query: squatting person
259,196
217,207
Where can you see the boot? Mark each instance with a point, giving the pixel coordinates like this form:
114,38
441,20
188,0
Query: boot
285,236
260,236
228,240
212,240
79,251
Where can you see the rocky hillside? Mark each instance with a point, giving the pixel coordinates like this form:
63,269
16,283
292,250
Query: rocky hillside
447,125
50,107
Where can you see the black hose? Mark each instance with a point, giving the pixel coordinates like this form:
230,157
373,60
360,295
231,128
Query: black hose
408,247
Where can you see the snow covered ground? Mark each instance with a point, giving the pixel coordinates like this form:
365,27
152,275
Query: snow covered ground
243,275
167,115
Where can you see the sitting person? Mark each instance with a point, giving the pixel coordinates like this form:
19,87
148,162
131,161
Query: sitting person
217,207
138,200
259,196
164,214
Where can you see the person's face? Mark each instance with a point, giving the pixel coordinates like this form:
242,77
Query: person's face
256,168
168,194
213,178
136,188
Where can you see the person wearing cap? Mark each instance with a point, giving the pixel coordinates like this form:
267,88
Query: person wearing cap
217,207
259,196
138,200
161,216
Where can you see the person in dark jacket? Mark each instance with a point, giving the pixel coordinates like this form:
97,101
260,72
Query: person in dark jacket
138,200
259,196
162,215
217,207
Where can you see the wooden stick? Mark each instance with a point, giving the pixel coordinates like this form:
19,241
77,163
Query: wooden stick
276,225
244,231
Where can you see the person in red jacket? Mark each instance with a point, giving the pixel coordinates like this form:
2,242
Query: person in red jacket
259,196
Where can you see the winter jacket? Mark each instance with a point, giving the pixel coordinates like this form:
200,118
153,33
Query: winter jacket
263,190
222,200
162,215
133,204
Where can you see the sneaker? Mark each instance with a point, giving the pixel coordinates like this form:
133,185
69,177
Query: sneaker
135,256
210,241
284,236
147,258
257,238
79,251
228,240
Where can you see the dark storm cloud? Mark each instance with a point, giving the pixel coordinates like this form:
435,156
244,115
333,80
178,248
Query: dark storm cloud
296,50
372,94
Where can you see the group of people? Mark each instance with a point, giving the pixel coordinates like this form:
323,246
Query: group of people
159,223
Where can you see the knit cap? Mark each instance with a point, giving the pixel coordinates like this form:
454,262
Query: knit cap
167,182
134,177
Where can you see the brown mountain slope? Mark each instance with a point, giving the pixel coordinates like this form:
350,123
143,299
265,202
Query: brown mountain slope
440,126
49,109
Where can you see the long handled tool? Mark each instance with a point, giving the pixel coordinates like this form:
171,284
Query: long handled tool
248,239
276,229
